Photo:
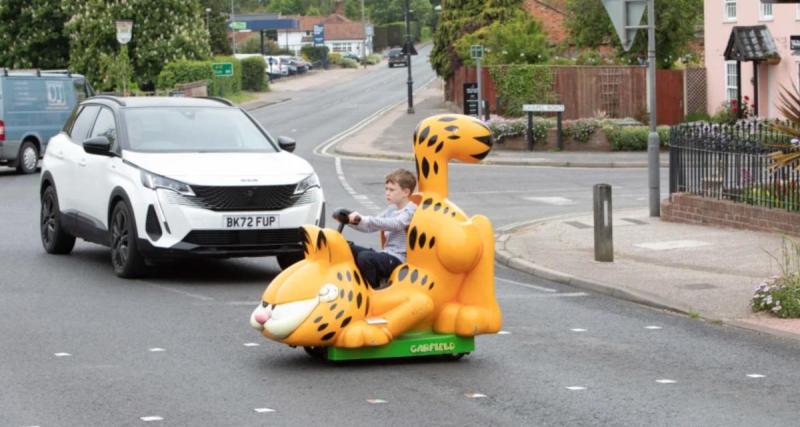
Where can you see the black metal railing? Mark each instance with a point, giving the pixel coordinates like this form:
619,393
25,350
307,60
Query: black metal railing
732,162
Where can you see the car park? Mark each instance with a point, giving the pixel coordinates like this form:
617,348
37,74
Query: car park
156,177
33,107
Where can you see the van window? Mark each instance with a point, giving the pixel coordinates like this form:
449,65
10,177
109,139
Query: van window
105,126
83,123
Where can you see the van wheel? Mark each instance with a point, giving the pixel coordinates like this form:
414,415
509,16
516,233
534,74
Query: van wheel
125,257
287,260
54,239
28,158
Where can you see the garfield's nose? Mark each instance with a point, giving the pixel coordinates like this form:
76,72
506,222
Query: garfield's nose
262,317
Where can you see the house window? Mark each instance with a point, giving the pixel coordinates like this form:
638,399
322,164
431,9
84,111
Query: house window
731,89
766,11
341,47
730,10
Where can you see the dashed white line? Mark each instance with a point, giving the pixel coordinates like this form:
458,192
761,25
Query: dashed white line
576,388
251,344
263,410
504,333
360,198
156,350
755,376
527,285
653,327
151,418
475,395
62,355
376,401
666,381
182,292
578,330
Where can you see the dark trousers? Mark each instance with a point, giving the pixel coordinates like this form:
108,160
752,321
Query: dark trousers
374,266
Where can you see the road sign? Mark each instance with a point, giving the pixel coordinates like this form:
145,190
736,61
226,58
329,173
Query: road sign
222,69
409,49
476,51
543,108
626,15
319,34
124,31
471,99
238,25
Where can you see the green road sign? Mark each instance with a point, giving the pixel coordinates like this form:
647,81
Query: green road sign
238,25
222,69
476,51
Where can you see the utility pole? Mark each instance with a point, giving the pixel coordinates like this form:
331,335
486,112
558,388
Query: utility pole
408,49
233,31
653,143
363,42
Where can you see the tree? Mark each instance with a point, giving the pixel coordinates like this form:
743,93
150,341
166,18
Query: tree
676,20
459,18
163,31
217,26
518,41
32,34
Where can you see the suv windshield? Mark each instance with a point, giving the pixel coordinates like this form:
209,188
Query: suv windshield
193,129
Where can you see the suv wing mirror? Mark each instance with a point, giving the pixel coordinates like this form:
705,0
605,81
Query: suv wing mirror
286,143
99,145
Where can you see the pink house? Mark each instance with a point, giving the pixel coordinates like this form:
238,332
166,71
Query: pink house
752,51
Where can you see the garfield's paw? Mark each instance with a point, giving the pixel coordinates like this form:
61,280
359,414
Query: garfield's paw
361,334
466,320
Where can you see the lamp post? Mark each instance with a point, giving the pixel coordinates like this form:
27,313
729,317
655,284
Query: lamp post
208,10
363,42
408,48
233,31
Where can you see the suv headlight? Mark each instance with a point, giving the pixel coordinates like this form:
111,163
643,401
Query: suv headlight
306,184
153,181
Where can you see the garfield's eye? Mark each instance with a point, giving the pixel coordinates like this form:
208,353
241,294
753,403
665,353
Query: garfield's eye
328,293
264,304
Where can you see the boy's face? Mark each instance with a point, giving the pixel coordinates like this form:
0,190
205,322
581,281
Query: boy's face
396,194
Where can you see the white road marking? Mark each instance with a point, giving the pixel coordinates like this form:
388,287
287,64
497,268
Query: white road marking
527,285
504,333
62,355
263,410
374,401
156,350
251,344
556,201
248,303
578,330
182,292
475,395
674,244
755,376
576,388
151,418
360,198
652,327
666,381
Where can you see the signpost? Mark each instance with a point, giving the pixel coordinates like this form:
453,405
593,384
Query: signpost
222,69
471,99
124,35
476,52
626,16
544,108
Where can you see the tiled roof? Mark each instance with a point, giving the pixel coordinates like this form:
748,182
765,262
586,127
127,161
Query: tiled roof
751,44
337,27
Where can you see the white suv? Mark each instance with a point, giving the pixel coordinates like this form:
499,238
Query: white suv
164,177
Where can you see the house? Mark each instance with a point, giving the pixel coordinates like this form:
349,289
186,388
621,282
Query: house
340,33
749,53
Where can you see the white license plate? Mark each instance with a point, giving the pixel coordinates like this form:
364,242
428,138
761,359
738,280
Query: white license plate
250,222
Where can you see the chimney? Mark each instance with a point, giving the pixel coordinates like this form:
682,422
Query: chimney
339,7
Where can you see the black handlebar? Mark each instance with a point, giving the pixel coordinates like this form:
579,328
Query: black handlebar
343,216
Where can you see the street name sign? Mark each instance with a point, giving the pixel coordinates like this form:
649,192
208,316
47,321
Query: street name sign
543,108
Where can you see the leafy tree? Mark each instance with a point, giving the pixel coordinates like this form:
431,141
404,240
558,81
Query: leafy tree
163,31
32,34
518,41
676,20
217,26
459,18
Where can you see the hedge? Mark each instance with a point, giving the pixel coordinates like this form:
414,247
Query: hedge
634,138
232,85
184,71
315,53
254,75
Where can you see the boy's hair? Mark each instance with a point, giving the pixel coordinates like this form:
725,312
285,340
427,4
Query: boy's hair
405,179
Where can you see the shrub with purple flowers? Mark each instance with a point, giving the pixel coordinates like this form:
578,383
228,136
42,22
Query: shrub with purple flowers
780,295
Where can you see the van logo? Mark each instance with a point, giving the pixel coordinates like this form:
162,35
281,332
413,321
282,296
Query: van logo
249,180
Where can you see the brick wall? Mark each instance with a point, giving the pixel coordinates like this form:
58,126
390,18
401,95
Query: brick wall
687,208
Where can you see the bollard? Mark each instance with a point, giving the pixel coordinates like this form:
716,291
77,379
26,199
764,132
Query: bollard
603,232
530,131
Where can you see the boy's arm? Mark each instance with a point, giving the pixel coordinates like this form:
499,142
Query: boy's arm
398,222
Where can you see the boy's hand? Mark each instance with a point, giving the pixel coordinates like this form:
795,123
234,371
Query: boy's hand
354,218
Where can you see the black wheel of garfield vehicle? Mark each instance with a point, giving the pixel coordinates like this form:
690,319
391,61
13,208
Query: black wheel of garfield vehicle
125,257
286,260
319,353
54,239
28,158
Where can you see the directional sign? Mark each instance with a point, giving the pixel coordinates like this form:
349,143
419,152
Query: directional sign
626,15
543,108
222,69
238,25
476,51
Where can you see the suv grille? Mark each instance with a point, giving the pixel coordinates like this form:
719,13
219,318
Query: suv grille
285,236
274,197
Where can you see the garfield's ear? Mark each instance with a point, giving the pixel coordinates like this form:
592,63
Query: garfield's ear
325,245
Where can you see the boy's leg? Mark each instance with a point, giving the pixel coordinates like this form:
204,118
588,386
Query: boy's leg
386,265
375,266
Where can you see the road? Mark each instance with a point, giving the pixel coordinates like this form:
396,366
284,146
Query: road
79,346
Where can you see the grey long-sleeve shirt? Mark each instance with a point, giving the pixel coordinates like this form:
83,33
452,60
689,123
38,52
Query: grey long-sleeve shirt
394,222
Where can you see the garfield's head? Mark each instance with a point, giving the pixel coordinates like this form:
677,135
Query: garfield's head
450,136
309,303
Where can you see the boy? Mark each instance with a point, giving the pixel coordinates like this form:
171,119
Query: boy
393,221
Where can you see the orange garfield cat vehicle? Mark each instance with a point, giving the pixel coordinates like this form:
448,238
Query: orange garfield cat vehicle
445,287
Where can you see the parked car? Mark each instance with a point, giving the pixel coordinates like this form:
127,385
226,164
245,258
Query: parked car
353,56
33,107
275,67
157,177
396,57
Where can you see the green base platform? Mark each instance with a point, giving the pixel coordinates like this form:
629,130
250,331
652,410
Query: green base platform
407,345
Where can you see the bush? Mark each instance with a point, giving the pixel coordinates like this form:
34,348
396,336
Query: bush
373,59
505,128
348,63
335,58
634,138
520,84
314,53
232,85
581,130
697,117
780,295
254,75
184,71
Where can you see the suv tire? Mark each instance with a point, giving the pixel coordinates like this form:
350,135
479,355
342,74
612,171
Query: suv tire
126,259
54,239
27,158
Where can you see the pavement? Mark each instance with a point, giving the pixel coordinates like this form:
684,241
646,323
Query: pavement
705,272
